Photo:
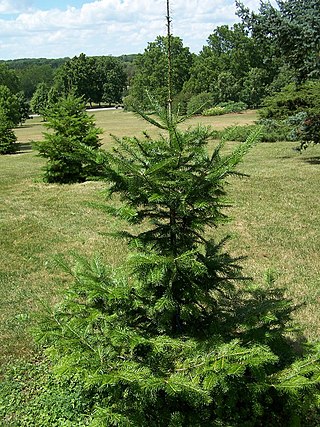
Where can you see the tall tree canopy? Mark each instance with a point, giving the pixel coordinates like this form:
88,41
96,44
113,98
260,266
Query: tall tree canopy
111,80
32,75
230,64
97,79
77,75
9,78
152,66
294,29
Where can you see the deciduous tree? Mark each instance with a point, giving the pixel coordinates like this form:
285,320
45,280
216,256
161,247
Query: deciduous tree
31,76
9,78
40,99
293,27
78,76
224,67
151,70
96,79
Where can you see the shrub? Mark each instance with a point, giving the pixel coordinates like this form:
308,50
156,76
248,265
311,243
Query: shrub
128,102
310,130
233,107
270,131
214,111
299,107
238,133
7,136
291,100
71,144
180,102
225,108
276,130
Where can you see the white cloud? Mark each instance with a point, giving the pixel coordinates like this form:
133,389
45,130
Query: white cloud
107,26
13,6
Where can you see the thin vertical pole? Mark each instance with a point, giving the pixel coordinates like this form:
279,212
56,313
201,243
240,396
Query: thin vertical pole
173,237
169,62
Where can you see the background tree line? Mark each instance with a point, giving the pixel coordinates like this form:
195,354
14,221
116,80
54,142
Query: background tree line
251,63
245,62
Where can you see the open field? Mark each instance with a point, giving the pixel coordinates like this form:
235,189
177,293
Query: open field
120,123
276,224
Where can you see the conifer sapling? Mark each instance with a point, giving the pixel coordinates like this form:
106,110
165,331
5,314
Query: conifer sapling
177,337
71,143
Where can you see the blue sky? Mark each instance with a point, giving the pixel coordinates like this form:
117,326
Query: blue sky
53,29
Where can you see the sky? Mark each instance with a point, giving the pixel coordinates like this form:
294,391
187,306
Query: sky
57,29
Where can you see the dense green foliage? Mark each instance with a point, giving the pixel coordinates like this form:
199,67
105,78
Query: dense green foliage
15,106
225,108
96,79
40,99
269,130
65,146
232,67
299,106
25,63
104,77
245,62
177,337
10,104
9,78
151,71
293,28
32,76
292,99
214,111
24,106
197,103
7,136
110,80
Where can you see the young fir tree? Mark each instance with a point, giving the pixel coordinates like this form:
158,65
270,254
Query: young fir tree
69,144
174,339
7,136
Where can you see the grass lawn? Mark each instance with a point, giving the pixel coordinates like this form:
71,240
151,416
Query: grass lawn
275,224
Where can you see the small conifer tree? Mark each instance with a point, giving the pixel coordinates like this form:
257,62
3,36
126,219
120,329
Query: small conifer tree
173,339
69,144
7,136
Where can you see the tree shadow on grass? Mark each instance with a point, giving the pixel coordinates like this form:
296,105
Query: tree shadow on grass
312,160
23,147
